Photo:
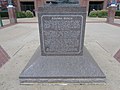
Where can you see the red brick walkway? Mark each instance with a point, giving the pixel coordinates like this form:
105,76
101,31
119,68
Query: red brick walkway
115,24
117,56
4,57
8,25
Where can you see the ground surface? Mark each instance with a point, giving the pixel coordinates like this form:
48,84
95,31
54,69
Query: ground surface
21,40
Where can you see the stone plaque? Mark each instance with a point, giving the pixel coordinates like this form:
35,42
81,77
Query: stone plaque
61,34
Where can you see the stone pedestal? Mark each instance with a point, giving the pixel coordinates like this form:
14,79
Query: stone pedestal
111,14
12,14
62,69
62,56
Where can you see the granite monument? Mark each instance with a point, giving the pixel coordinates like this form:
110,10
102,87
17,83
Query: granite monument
61,56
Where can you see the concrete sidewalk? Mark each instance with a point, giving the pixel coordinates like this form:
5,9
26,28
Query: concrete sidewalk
21,40
21,20
35,19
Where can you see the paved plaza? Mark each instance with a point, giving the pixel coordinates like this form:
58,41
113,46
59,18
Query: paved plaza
22,39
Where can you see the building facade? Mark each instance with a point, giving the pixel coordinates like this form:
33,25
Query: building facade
32,5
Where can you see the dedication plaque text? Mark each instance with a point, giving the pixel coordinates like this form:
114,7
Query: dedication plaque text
61,34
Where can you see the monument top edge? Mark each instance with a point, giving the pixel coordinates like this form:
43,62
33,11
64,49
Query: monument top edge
66,9
61,5
62,1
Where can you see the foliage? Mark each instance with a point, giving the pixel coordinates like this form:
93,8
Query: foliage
21,14
98,13
117,13
93,13
29,14
102,13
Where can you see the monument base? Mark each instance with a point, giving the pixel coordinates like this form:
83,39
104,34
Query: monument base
65,69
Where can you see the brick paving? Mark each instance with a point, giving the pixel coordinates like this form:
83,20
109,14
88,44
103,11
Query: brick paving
7,25
4,57
116,24
117,56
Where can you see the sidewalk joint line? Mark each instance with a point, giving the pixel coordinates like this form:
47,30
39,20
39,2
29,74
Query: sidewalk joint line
18,50
102,46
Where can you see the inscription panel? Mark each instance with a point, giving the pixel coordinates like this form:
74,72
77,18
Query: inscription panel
61,34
